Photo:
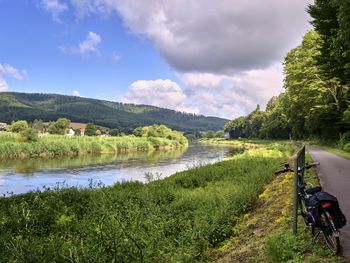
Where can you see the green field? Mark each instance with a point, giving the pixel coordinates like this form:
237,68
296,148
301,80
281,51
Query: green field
182,218
59,145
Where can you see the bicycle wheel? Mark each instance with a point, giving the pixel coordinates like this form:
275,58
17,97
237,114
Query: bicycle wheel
331,235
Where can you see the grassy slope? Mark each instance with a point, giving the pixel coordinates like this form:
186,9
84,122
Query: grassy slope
182,218
49,107
59,145
264,234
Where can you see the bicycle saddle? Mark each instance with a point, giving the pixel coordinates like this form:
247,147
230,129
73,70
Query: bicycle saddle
314,190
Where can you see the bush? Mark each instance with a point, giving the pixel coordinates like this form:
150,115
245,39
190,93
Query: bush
344,141
29,135
17,126
283,246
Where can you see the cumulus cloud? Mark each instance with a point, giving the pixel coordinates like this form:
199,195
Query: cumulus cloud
224,53
6,69
201,80
10,71
3,85
161,93
84,48
229,96
76,93
90,43
211,36
55,7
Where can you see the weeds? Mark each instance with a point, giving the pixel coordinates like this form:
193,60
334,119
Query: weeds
177,219
13,146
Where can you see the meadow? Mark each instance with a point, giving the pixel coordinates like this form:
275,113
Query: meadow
182,218
11,145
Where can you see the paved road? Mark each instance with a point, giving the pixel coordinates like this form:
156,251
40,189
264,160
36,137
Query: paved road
334,175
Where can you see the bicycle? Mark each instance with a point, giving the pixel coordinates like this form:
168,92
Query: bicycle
319,209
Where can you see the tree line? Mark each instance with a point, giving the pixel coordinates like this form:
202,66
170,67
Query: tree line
315,102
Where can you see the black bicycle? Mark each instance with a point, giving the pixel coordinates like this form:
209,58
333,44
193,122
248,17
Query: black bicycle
320,210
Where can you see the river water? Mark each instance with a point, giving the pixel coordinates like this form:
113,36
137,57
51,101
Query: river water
23,175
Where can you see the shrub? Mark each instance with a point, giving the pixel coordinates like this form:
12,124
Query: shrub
29,135
283,246
17,126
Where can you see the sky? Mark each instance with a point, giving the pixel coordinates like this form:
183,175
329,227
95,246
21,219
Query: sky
216,58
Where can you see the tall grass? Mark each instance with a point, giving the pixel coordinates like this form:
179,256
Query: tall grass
177,219
58,145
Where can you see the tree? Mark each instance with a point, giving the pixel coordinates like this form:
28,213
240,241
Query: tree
315,108
77,132
114,132
17,126
59,127
29,135
38,125
90,129
331,19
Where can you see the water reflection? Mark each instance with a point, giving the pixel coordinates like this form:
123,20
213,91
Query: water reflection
24,175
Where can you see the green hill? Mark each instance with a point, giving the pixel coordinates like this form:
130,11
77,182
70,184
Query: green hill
50,107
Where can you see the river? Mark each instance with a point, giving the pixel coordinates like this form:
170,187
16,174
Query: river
23,175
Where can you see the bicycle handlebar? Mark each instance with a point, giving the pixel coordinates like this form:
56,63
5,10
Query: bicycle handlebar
288,169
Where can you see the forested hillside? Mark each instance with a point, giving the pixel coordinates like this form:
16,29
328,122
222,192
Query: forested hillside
316,99
125,117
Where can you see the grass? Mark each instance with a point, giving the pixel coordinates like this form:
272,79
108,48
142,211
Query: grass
182,218
265,233
58,145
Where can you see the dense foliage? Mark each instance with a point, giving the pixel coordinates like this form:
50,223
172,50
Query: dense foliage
157,133
28,144
315,103
124,117
17,126
59,127
178,219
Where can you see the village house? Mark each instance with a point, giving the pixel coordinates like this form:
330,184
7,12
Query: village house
81,126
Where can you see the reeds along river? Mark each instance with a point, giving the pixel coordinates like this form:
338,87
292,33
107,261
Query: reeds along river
23,175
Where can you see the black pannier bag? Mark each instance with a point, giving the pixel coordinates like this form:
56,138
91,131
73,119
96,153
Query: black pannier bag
319,201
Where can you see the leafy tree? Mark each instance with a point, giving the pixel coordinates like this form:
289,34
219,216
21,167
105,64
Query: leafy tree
114,132
38,125
59,127
77,132
17,126
331,19
29,135
90,129
317,101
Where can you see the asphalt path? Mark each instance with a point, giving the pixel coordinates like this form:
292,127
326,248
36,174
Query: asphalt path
334,175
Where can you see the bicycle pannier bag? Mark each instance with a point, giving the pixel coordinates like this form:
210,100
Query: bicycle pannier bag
322,198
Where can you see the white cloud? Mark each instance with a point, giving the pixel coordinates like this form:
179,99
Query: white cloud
229,96
203,80
224,51
3,85
211,36
10,71
55,7
84,48
6,69
76,93
161,93
90,43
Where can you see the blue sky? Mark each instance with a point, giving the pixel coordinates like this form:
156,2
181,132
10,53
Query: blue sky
206,57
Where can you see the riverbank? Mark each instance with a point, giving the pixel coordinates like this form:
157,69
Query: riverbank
178,219
264,234
60,145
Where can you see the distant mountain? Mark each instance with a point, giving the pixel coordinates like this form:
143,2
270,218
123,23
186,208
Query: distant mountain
50,107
